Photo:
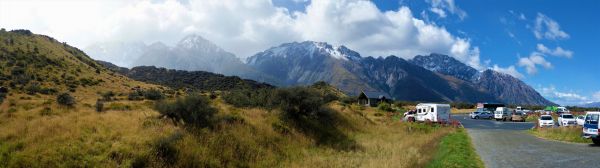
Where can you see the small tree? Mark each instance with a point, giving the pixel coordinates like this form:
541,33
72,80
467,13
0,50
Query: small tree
65,99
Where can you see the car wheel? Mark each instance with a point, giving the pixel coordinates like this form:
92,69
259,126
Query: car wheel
596,141
490,118
476,117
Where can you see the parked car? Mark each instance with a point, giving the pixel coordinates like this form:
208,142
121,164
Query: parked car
503,113
433,112
580,120
518,116
481,115
566,119
522,110
590,127
545,121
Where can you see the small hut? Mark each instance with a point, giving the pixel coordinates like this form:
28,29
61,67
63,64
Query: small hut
373,98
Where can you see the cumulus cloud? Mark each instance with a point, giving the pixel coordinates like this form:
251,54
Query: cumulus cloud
244,27
558,51
546,28
510,70
441,6
562,97
532,61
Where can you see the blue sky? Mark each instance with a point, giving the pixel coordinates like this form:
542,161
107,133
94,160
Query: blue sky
504,33
548,44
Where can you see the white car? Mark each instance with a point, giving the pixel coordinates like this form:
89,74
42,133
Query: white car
546,121
580,120
566,119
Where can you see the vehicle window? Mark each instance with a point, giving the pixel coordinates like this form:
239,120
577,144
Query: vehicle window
546,118
419,110
431,109
580,117
591,119
567,116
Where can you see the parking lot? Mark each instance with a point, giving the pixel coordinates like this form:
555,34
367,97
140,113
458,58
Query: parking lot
507,144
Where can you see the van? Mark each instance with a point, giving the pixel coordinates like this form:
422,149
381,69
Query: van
433,112
590,126
503,113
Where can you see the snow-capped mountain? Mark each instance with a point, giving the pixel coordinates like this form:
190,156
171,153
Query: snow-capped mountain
122,54
436,77
446,65
504,87
192,53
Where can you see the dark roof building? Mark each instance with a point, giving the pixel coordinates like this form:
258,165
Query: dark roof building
373,98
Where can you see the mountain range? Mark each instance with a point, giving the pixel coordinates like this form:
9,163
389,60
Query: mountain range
432,78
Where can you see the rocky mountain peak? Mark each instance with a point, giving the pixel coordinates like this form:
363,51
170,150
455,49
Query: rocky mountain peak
197,42
446,65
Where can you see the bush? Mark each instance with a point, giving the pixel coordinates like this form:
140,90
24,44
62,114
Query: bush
153,94
107,96
299,101
46,111
65,99
136,95
383,106
193,110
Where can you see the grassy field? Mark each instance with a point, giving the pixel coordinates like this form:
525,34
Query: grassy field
64,137
456,150
567,134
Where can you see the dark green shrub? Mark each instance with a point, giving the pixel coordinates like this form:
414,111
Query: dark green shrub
65,99
136,95
383,106
194,110
153,94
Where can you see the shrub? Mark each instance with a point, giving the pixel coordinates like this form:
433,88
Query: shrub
153,94
194,110
107,96
65,99
298,101
383,106
136,95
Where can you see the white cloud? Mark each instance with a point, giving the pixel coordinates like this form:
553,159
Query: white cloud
242,27
447,5
511,70
558,51
562,97
547,28
439,12
530,63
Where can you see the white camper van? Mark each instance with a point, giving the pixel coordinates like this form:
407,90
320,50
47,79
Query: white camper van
503,113
433,112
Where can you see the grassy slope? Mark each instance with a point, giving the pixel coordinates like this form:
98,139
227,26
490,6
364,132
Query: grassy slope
36,131
456,150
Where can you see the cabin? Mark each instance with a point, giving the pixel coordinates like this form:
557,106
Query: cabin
373,98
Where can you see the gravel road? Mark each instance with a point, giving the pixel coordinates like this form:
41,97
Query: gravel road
507,144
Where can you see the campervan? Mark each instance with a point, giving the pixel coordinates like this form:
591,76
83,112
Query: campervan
433,112
503,113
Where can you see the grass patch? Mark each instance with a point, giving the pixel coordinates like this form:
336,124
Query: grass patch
456,150
567,134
